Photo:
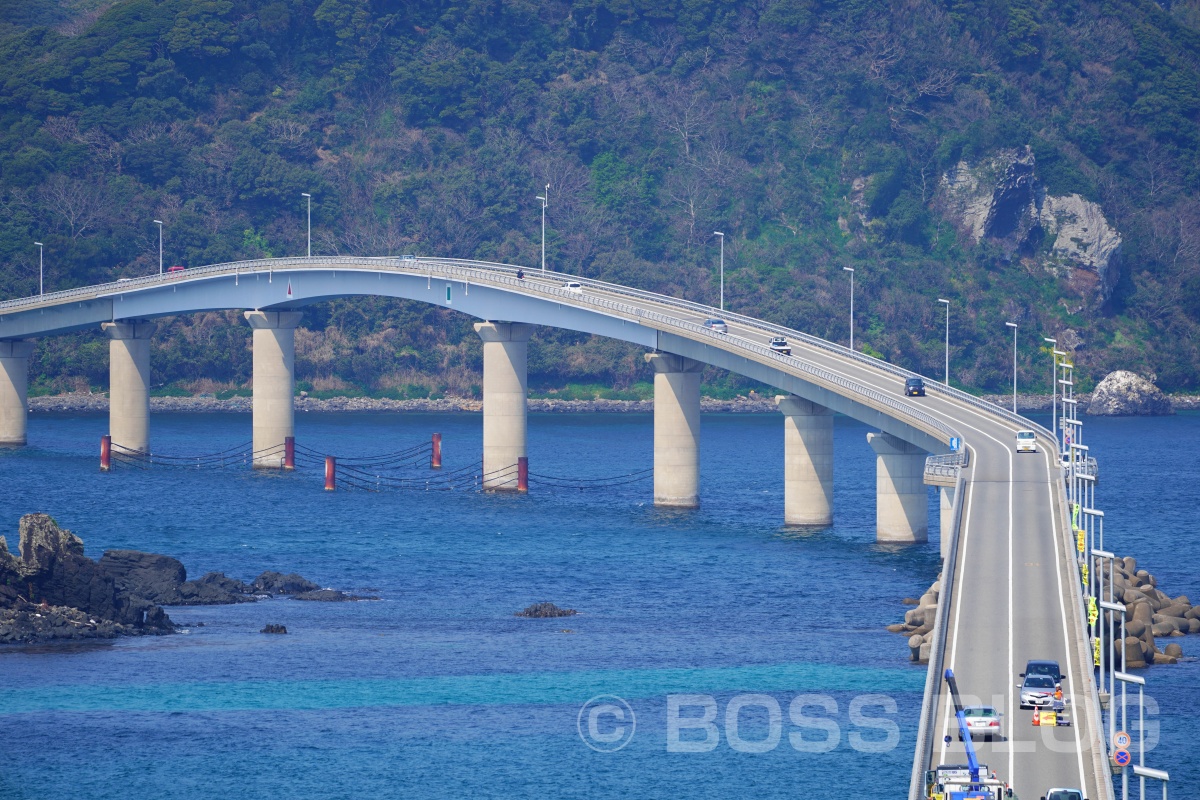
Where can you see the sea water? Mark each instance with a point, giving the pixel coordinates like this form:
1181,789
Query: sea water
716,653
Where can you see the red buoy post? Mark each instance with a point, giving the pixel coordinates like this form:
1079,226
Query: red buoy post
330,474
105,453
523,474
289,452
435,456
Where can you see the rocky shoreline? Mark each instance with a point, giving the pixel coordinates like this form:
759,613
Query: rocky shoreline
51,591
751,404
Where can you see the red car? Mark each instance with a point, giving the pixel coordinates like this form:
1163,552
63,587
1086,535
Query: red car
176,268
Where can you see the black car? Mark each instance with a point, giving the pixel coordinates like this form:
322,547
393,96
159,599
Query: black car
914,387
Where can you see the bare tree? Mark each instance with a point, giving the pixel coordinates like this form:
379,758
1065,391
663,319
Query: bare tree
78,204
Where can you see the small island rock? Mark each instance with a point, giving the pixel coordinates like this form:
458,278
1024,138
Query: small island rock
1126,394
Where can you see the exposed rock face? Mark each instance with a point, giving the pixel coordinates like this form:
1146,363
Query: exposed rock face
52,571
1086,247
1000,199
1126,394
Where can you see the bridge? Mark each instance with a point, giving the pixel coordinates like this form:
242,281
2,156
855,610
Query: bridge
1011,590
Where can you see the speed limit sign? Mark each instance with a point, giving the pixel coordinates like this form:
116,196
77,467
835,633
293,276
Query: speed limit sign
1120,740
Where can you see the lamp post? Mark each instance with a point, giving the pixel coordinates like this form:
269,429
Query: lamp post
1054,353
851,271
1126,678
309,196
545,202
946,303
158,222
718,233
41,268
1013,325
1105,697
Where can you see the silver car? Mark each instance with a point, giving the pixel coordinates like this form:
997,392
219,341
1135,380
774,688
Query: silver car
716,325
1037,691
982,721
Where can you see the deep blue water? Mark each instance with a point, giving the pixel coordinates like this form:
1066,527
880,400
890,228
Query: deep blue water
437,690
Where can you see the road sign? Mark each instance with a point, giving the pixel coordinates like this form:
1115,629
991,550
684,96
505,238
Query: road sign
1121,757
955,444
1121,740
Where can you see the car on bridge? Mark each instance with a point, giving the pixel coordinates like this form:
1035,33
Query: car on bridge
1037,691
982,721
716,325
1026,442
1063,794
914,387
1044,667
176,268
574,287
780,345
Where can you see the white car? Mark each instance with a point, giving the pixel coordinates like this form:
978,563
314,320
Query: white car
1026,442
1063,794
574,287
982,721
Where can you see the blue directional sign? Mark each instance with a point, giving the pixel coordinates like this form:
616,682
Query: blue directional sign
955,444
1121,757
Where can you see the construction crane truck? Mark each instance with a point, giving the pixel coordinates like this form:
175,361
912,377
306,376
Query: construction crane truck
970,781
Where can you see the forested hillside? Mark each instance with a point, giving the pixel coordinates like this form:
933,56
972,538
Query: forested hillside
815,135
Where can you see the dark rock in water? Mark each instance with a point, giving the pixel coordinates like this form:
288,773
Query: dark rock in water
53,572
1126,394
278,583
214,589
329,596
149,575
274,629
545,611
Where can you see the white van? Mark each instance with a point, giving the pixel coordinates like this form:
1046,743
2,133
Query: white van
1026,442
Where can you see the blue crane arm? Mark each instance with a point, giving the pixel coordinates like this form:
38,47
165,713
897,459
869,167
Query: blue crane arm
963,732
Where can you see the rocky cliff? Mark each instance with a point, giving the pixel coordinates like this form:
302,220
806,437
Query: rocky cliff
1000,199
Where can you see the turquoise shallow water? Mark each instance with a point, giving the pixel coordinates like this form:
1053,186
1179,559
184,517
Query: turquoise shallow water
436,689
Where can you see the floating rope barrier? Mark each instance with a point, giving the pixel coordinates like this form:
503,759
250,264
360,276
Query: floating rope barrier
584,484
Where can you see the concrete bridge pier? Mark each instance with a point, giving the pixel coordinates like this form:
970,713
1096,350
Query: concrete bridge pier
505,411
129,382
273,384
807,462
676,430
14,390
901,505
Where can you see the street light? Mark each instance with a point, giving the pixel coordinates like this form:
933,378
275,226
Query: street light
718,233
851,271
158,222
1126,678
41,270
1054,399
1013,325
309,196
947,304
545,202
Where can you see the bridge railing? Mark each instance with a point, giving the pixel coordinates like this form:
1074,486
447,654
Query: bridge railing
504,273
927,724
